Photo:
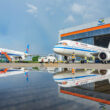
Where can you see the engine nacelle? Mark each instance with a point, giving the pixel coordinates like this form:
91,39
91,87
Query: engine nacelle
104,56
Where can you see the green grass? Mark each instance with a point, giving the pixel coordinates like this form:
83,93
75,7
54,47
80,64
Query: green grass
26,62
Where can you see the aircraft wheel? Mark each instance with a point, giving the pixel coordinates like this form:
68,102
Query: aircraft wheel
104,62
66,59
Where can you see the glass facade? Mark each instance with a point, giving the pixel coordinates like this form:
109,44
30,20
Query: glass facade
89,40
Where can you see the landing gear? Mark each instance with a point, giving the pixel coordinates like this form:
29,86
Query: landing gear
104,62
69,59
82,61
66,59
85,60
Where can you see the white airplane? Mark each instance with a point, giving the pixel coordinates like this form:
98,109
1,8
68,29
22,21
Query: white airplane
12,55
81,77
9,72
69,48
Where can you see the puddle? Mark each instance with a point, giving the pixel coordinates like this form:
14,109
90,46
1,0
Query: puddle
54,89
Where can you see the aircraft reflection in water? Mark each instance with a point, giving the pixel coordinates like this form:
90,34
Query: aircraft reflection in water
9,72
83,84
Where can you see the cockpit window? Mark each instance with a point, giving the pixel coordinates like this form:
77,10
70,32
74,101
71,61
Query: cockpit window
59,43
62,43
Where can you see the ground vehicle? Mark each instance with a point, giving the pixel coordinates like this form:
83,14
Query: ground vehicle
47,59
41,59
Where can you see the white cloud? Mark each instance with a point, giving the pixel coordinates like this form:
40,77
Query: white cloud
70,19
32,9
77,8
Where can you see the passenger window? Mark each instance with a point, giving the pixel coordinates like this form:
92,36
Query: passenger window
61,43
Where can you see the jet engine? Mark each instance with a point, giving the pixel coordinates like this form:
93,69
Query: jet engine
104,56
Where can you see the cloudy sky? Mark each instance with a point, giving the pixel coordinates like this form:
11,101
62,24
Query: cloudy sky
37,22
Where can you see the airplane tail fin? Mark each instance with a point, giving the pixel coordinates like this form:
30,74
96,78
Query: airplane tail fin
27,49
109,45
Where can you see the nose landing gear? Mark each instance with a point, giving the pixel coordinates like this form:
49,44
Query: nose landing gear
66,59
69,59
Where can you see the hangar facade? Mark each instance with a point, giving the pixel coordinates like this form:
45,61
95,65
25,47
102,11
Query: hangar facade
95,33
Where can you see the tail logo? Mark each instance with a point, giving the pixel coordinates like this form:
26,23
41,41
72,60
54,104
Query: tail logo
27,49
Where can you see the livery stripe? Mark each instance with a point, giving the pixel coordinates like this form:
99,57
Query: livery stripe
75,77
76,49
86,30
12,54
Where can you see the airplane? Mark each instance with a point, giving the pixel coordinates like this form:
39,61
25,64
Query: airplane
84,85
80,77
6,72
10,72
13,55
68,48
87,90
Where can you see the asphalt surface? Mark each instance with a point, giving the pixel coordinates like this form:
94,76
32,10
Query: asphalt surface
63,65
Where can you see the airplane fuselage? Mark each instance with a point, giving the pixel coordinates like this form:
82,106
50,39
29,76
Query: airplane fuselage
68,47
13,54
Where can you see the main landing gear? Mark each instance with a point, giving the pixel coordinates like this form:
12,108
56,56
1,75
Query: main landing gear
104,62
83,61
69,59
66,59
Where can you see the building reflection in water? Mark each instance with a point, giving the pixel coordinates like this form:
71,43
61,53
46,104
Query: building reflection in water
84,85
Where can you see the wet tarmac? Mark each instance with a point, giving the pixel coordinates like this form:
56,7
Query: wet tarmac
56,65
54,89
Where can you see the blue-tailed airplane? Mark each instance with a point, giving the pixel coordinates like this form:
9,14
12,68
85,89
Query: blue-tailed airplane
13,55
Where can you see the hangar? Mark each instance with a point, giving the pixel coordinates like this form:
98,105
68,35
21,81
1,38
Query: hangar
95,33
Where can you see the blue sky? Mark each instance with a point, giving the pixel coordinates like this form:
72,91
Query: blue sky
37,22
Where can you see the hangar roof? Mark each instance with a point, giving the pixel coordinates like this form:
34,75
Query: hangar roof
86,26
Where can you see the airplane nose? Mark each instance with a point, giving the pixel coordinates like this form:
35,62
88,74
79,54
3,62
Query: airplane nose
55,50
58,50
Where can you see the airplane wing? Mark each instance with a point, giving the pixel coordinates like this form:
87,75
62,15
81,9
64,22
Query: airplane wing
95,54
